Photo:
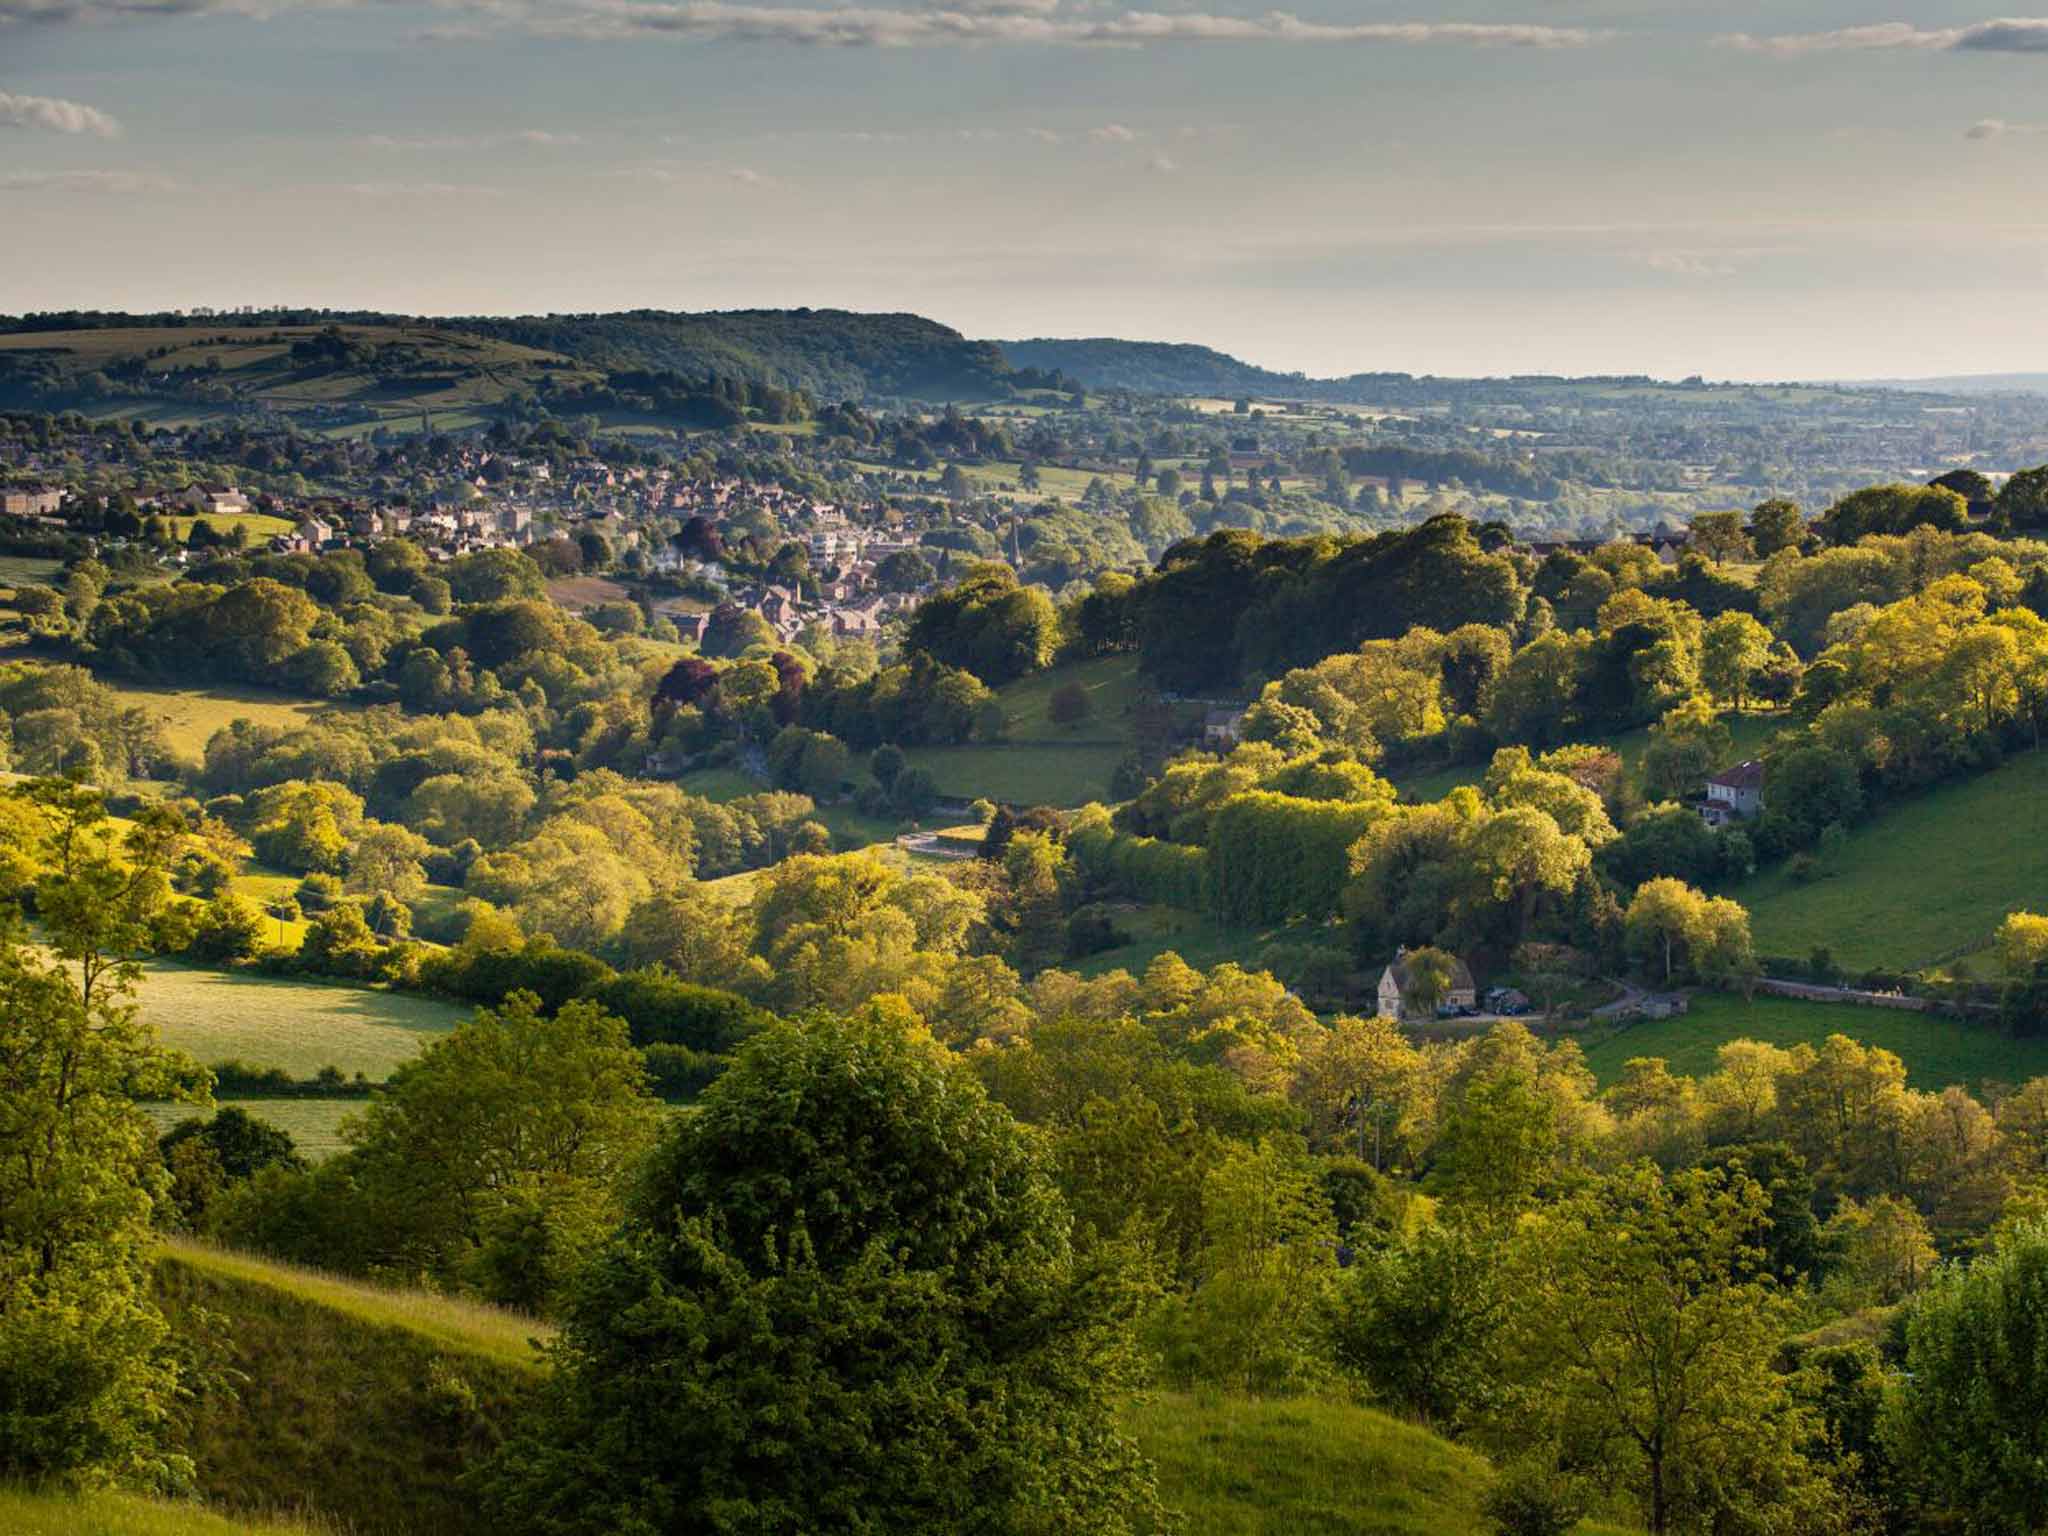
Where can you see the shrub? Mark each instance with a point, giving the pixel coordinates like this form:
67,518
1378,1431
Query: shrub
1533,1498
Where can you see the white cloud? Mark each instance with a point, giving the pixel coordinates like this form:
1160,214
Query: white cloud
2015,34
1692,264
1163,164
864,26
748,177
389,189
1998,128
539,138
56,115
1113,133
120,183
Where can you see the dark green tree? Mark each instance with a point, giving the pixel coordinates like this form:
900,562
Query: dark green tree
844,1299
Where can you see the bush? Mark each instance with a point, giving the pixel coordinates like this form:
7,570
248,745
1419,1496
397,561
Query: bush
318,893
1090,931
679,1074
1533,1498
660,1010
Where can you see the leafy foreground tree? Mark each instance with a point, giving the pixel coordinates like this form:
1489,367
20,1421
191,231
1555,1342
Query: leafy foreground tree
85,1379
1968,1418
1644,1354
844,1299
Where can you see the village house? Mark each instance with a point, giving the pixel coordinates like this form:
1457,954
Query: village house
1222,729
1734,794
31,501
1396,999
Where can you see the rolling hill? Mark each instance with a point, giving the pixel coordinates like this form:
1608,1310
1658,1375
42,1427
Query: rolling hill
361,1404
329,369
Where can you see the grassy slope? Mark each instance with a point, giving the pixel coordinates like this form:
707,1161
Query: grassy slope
113,1514
191,715
1937,1051
1247,1467
362,1404
462,371
1043,763
338,1406
300,1026
1926,876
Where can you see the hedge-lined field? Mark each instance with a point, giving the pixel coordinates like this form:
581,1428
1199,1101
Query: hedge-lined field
1937,1050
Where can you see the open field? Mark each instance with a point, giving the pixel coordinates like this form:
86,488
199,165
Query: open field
28,570
1921,878
1111,685
298,1026
314,1125
192,715
1022,773
1196,937
577,593
1937,1051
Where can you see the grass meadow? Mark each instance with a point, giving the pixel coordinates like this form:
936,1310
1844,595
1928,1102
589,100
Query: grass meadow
296,1025
1749,732
1938,1051
191,715
1921,878
314,1125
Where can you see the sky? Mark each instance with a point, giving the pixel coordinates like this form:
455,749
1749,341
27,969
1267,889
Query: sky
1745,189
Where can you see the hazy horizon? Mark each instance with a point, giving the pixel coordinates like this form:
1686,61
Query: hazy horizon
1774,191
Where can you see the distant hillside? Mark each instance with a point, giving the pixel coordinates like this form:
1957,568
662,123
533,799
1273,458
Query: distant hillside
831,354
1973,384
1152,367
332,369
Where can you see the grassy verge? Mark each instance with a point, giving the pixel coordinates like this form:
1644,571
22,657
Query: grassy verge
1937,1051
114,1514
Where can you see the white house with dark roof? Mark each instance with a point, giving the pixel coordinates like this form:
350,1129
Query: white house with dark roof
1734,794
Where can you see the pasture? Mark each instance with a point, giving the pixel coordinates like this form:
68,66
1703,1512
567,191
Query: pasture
1920,879
1196,937
313,1124
190,716
1022,772
294,1025
1937,1051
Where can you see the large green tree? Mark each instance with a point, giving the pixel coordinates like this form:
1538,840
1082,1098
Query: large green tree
1645,1351
86,1384
1968,1418
844,1300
